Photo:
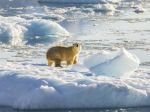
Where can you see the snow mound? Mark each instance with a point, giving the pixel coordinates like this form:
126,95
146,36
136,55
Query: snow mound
16,30
104,7
44,31
139,9
25,91
97,58
53,17
49,16
10,32
109,64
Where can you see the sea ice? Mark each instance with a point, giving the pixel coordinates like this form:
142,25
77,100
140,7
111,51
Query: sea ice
80,1
104,7
15,30
44,31
109,64
139,9
79,68
31,86
59,89
97,58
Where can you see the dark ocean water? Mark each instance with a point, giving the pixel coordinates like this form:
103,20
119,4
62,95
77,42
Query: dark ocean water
146,109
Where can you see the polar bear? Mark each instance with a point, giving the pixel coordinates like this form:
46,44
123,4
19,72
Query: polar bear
57,54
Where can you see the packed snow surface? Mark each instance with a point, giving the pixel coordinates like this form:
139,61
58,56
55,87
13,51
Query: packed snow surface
60,89
31,86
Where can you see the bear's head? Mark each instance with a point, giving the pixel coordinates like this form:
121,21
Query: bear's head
76,47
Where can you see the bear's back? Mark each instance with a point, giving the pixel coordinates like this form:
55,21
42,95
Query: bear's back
58,52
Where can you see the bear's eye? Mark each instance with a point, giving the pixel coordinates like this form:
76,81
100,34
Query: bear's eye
77,45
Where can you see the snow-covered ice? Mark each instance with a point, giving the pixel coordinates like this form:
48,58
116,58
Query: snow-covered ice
80,1
113,64
29,86
104,7
48,88
139,9
16,30
100,79
44,31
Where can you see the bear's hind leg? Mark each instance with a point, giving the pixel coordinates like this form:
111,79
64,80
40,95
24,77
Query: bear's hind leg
50,62
70,62
58,63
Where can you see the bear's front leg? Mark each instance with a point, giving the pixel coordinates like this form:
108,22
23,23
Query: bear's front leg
75,60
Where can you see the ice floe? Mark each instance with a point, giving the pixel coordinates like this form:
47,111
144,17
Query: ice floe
139,9
54,88
104,7
15,30
44,31
112,64
30,86
80,1
53,17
